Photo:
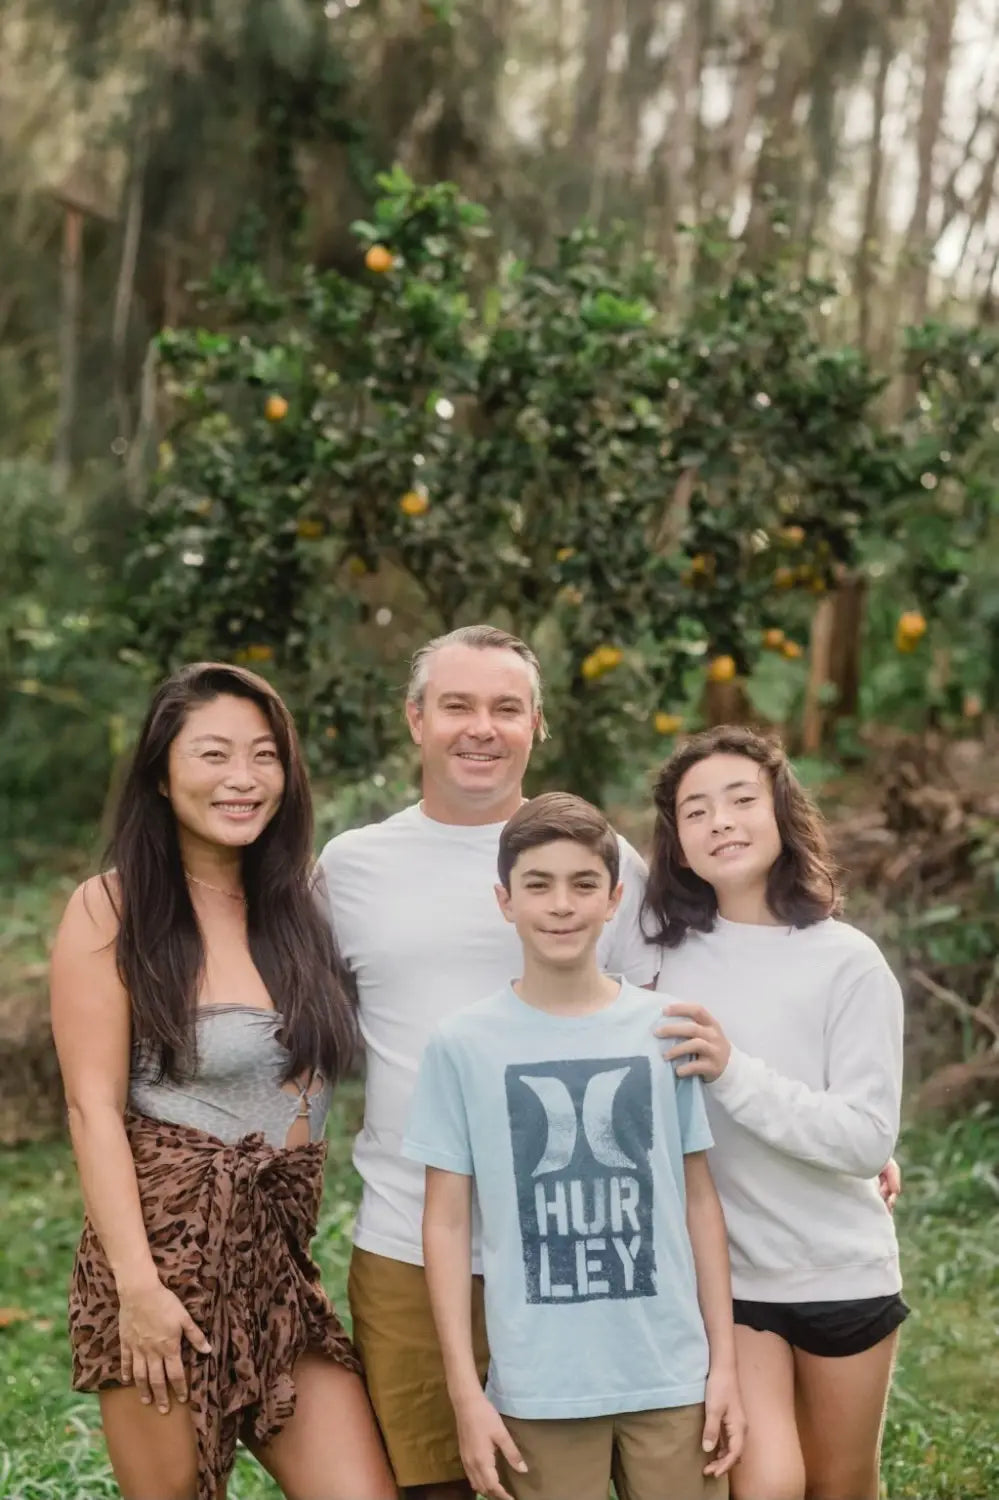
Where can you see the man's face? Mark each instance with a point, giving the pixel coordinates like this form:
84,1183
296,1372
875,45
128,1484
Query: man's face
475,727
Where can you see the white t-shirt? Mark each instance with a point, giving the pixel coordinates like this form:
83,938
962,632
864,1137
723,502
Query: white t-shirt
418,925
806,1113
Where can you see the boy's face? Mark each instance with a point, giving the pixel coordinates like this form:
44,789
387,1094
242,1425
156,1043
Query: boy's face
559,899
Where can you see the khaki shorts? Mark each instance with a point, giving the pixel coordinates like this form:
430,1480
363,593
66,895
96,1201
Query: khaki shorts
651,1455
395,1336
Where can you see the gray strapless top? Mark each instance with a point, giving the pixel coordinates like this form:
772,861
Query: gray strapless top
236,1090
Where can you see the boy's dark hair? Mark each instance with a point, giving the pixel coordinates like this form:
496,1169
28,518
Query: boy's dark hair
801,887
558,815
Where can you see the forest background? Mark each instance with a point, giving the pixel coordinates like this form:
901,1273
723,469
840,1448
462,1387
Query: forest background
663,332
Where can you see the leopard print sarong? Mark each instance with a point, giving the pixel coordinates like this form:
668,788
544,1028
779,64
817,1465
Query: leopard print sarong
229,1228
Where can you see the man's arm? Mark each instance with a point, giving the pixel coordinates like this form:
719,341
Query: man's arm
447,1240
725,1423
628,953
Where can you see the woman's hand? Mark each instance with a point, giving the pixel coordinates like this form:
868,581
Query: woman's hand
704,1045
151,1324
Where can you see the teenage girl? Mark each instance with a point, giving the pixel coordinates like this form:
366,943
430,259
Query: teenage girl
794,1021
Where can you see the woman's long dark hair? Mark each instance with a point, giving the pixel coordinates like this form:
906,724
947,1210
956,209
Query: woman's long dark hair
801,886
160,951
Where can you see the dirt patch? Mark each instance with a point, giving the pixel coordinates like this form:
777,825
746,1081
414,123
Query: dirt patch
31,1098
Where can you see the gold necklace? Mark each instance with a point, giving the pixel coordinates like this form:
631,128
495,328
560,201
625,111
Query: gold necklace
233,895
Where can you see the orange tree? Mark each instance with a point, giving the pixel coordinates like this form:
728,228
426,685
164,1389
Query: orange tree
933,642
652,492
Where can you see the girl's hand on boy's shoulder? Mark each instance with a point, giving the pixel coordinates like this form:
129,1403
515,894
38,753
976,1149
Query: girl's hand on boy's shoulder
724,1421
705,1049
481,1431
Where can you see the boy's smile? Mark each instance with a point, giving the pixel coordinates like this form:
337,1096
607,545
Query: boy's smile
559,900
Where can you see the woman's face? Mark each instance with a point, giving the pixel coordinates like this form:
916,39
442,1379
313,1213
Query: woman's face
225,780
726,822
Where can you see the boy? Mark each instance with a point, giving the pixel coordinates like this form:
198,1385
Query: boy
586,1152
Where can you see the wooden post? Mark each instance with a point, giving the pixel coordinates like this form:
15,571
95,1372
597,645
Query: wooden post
819,676
69,329
849,600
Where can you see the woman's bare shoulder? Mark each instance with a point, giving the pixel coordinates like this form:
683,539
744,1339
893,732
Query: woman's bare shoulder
92,914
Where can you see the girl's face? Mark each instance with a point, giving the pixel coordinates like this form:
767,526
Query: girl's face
726,823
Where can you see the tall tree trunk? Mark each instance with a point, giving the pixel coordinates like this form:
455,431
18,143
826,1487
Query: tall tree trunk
936,66
724,192
868,246
980,209
125,289
671,168
639,78
591,88
69,338
779,134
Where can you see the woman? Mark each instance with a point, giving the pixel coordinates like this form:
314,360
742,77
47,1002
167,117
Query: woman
201,1023
794,1021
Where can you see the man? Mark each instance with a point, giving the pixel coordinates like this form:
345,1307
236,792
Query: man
418,926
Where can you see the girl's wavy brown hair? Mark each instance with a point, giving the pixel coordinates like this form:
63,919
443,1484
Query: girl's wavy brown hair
802,886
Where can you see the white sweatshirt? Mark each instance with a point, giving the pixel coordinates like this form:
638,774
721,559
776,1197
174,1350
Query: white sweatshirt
806,1113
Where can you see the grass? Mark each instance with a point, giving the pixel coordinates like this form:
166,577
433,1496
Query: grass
940,1441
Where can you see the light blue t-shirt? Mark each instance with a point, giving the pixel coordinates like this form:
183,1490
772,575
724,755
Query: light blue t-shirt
574,1129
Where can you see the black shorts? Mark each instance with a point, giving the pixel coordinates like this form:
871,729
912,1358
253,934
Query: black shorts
830,1329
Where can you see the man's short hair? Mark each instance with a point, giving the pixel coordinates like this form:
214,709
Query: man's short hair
554,816
480,638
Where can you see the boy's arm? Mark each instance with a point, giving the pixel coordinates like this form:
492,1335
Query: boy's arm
447,1239
725,1423
447,1254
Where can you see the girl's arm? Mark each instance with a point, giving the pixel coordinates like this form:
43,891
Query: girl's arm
92,1031
724,1420
447,1242
849,1126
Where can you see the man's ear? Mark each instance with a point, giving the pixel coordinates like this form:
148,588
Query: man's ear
503,901
615,901
414,718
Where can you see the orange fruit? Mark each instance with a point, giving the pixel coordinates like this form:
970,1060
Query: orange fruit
609,657
591,666
722,669
791,650
259,653
773,638
668,723
414,503
379,259
784,578
309,529
276,408
564,553
702,562
793,536
912,624
356,567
